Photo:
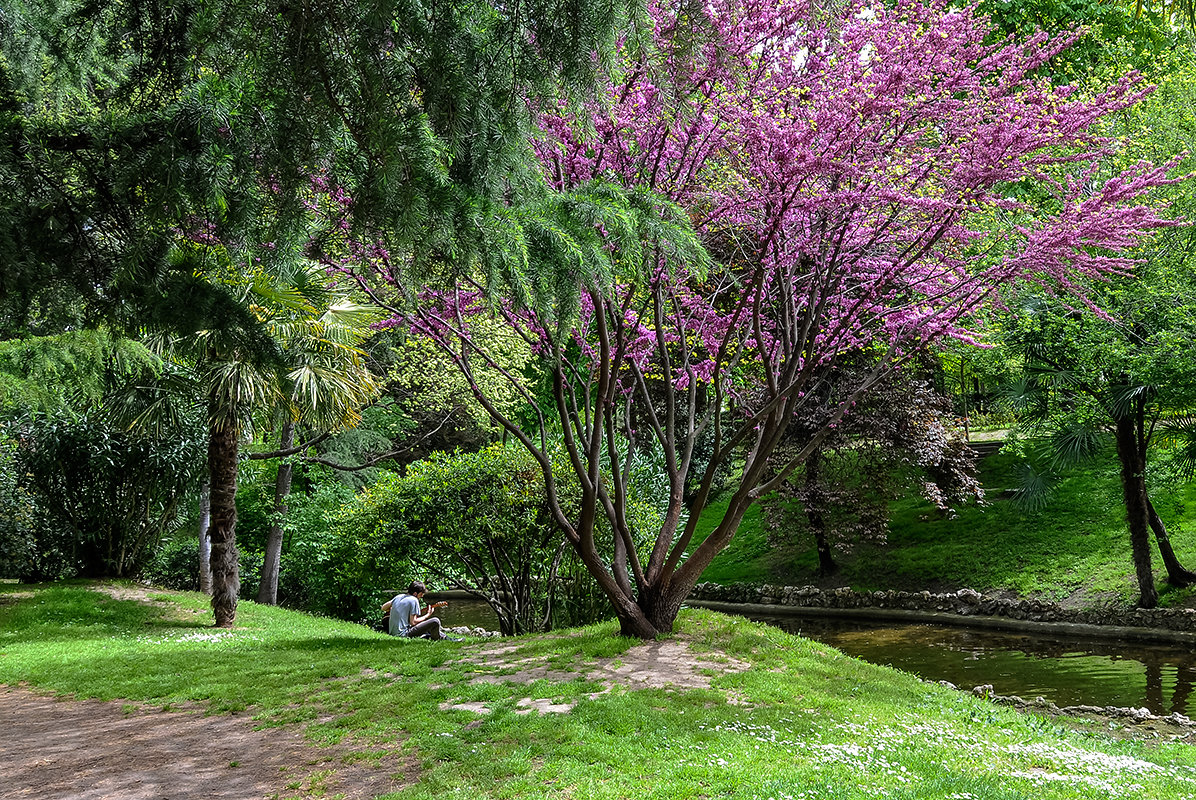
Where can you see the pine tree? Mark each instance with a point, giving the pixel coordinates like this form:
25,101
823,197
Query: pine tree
124,125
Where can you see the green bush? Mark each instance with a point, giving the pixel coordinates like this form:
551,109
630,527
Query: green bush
306,567
477,520
175,565
90,499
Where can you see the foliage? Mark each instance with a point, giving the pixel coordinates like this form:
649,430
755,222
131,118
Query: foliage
67,371
306,568
22,550
129,121
846,172
175,565
865,729
104,497
1116,39
478,521
902,434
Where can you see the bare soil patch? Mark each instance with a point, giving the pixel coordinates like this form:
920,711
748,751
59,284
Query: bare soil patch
650,665
670,663
91,750
11,598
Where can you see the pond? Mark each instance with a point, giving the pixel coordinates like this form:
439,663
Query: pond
463,610
1066,671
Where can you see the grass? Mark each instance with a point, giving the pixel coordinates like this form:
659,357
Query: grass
804,721
1077,546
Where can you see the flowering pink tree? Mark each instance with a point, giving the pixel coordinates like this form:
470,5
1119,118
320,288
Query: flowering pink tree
850,178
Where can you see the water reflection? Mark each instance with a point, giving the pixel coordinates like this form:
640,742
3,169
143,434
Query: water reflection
1066,671
467,611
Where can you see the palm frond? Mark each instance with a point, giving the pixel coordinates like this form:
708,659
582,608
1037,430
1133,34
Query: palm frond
1027,398
1180,433
1075,443
1124,399
1035,487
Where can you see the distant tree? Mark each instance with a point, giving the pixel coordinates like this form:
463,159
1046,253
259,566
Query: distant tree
66,372
1127,370
1127,373
901,434
1117,36
844,171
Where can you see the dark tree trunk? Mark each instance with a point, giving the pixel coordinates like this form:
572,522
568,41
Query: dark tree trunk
826,558
1133,489
653,614
205,542
222,472
813,504
1177,574
268,590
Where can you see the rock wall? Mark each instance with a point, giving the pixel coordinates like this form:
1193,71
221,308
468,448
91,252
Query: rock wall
964,602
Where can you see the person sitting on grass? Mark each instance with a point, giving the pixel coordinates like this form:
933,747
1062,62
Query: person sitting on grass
405,618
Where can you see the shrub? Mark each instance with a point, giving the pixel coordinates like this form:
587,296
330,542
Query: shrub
475,520
175,565
97,500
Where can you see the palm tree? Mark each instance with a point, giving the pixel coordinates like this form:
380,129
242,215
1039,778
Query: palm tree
294,357
328,383
1125,374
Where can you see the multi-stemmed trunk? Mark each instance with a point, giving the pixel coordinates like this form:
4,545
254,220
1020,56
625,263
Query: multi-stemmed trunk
1177,574
652,608
1132,443
268,590
222,473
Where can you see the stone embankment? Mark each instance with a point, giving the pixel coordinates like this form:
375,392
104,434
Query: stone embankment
1041,704
964,607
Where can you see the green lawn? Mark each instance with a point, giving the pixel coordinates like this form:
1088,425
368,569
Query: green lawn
1077,544
803,720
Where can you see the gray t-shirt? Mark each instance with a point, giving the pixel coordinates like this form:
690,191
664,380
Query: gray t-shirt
401,609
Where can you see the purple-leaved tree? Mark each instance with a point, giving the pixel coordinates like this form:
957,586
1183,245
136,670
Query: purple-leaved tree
851,180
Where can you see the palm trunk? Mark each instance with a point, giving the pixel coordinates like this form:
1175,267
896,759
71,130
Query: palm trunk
222,472
268,590
1177,574
1133,489
205,542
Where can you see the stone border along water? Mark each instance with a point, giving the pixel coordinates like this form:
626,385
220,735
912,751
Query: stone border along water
1136,715
967,608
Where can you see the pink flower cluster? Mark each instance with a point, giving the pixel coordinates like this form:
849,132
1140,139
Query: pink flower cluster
853,176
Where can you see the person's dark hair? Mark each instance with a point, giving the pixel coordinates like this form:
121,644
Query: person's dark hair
416,587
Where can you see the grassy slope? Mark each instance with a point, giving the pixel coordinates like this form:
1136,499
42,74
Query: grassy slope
1078,543
803,722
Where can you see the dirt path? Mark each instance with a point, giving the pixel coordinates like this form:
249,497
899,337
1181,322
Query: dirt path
90,750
